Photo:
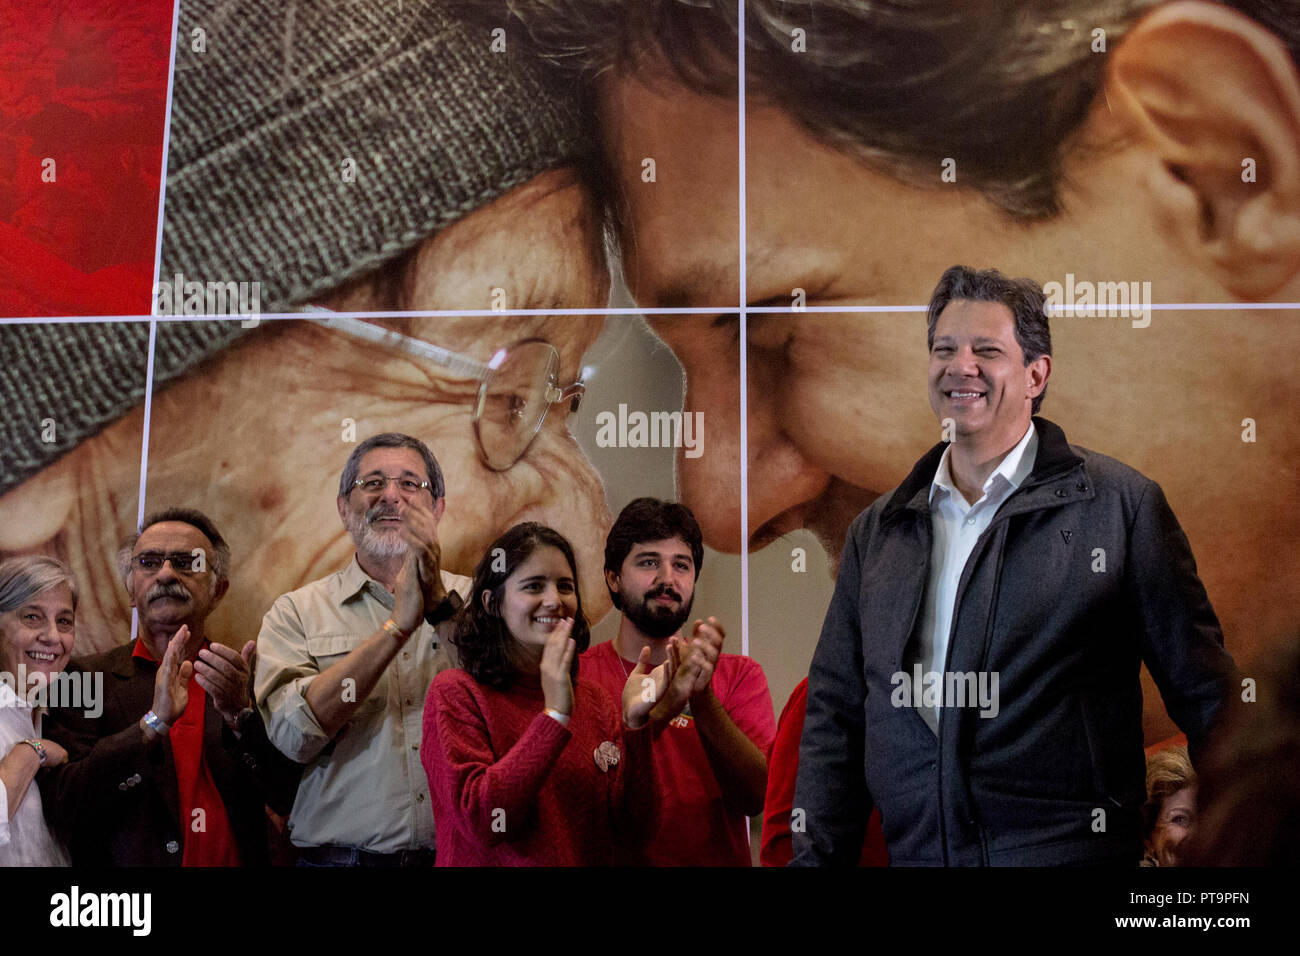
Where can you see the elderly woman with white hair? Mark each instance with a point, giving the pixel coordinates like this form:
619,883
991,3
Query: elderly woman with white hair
38,598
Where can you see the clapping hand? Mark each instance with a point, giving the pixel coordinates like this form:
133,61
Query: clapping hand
706,647
224,675
408,595
694,661
645,687
420,528
171,688
557,668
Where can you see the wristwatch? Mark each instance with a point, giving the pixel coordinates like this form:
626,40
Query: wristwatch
156,724
444,610
39,748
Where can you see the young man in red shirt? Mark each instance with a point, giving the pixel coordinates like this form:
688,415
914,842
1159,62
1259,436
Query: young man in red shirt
714,725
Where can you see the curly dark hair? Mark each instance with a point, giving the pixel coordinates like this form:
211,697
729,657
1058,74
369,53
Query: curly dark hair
480,635
650,519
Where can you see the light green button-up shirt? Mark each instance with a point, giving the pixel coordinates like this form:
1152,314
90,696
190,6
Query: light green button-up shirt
365,788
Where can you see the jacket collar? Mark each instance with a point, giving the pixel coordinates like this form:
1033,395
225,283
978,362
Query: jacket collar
1054,458
124,661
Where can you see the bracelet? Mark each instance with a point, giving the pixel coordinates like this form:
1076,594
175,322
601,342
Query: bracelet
391,627
39,748
563,719
156,724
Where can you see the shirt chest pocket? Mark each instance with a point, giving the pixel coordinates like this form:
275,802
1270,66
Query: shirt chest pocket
329,649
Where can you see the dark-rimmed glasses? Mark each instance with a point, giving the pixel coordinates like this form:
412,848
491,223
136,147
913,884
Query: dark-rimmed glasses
184,562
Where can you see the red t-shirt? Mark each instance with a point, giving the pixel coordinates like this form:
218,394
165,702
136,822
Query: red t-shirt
696,829
782,767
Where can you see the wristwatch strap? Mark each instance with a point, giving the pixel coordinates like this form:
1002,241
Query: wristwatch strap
445,610
156,723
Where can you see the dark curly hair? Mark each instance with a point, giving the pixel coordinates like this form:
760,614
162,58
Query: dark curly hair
481,636
650,519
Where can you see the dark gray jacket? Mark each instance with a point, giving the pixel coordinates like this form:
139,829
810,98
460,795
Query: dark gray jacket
115,801
1058,775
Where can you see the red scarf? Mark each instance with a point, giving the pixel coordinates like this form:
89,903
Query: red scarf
207,836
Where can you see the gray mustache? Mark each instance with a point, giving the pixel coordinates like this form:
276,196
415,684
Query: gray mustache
166,591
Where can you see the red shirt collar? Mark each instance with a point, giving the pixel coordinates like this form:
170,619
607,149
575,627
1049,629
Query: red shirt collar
142,651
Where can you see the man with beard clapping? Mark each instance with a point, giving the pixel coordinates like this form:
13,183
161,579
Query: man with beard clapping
714,725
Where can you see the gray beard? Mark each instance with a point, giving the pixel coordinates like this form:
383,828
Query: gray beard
379,545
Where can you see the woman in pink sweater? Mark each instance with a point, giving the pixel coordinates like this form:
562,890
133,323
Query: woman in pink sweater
528,763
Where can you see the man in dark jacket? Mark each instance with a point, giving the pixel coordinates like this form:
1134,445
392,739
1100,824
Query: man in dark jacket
977,672
176,769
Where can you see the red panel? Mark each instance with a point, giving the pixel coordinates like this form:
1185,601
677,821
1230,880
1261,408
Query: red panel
83,84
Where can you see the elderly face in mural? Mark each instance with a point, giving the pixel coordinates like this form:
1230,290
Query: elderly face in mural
300,195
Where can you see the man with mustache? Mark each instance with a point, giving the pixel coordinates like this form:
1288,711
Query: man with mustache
977,672
176,769
714,726
347,660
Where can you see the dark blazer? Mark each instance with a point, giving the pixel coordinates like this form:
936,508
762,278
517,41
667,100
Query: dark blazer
115,801
1082,575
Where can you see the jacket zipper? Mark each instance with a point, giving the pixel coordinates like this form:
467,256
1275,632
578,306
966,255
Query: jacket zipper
927,536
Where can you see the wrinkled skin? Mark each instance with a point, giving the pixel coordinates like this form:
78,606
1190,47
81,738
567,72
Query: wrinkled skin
254,437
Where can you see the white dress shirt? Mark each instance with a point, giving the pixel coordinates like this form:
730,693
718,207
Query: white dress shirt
25,840
957,525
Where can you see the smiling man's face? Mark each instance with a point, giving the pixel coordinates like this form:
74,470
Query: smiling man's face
656,586
374,519
978,374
